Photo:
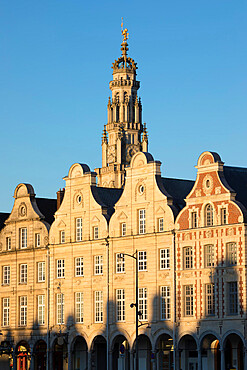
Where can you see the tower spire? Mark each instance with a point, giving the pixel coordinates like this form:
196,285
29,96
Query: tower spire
123,134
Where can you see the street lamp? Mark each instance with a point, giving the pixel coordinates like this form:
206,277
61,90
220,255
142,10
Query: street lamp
136,305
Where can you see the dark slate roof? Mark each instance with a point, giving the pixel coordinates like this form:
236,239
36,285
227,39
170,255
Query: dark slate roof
178,189
47,207
236,177
3,218
106,198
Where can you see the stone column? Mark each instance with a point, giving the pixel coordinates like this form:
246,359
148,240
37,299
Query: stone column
199,359
131,361
222,355
89,360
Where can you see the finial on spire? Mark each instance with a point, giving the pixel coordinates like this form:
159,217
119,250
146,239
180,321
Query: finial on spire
125,33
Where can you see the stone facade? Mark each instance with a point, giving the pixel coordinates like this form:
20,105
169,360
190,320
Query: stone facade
68,296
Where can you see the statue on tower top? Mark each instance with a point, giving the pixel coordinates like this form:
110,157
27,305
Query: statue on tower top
125,33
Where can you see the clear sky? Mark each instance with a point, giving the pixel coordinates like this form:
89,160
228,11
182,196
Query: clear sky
55,66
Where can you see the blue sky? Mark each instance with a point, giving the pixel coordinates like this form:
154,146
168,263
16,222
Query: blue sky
55,68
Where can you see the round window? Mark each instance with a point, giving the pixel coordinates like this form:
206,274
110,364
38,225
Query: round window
208,184
23,211
78,199
141,189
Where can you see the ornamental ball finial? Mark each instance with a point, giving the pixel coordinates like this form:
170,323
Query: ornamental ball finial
124,32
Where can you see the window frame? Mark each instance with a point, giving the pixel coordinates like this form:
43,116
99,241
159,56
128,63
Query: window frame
79,266
6,275
37,237
60,270
41,309
209,260
123,228
60,308
143,303
188,258
194,220
165,303
98,265
23,310
209,215
8,243
233,308
189,300
41,271
23,237
142,262
78,229
120,263
5,311
231,254
142,221
23,273
95,232
98,306
120,305
210,299
62,236
79,307
165,259
160,224
223,216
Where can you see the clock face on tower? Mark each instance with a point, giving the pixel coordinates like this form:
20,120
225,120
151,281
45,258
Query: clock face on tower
130,151
111,154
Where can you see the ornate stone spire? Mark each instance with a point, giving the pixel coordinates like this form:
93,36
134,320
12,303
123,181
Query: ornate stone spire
122,136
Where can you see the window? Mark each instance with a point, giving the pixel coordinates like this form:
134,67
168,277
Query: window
120,263
23,310
96,232
209,218
62,236
79,266
41,272
8,243
98,265
98,306
194,220
23,273
23,237
142,261
188,258
41,309
60,269
209,255
5,310
120,304
164,258
6,275
37,240
161,224
60,308
231,254
78,222
223,216
142,303
123,228
142,221
165,303
188,295
210,304
233,298
79,307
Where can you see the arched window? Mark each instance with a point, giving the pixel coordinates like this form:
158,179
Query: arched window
209,215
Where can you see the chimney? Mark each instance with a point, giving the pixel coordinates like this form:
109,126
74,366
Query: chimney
60,195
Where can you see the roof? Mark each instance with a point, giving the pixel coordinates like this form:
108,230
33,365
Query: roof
106,198
47,207
178,189
236,177
3,218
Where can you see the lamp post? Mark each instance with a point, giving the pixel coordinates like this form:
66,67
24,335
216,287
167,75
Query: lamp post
136,305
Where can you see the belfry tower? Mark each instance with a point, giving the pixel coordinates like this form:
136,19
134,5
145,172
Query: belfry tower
124,134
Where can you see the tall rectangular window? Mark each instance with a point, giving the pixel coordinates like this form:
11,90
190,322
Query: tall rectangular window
8,243
188,295
23,237
194,220
41,309
123,228
6,275
98,306
41,272
37,240
161,224
79,266
62,236
143,304
5,311
96,232
23,273
98,265
60,268
142,261
223,216
233,297
120,263
210,302
60,308
142,221
231,254
78,231
165,304
120,304
164,258
209,255
188,258
79,307
23,310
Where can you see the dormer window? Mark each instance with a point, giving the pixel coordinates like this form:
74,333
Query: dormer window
209,218
23,237
223,216
194,221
